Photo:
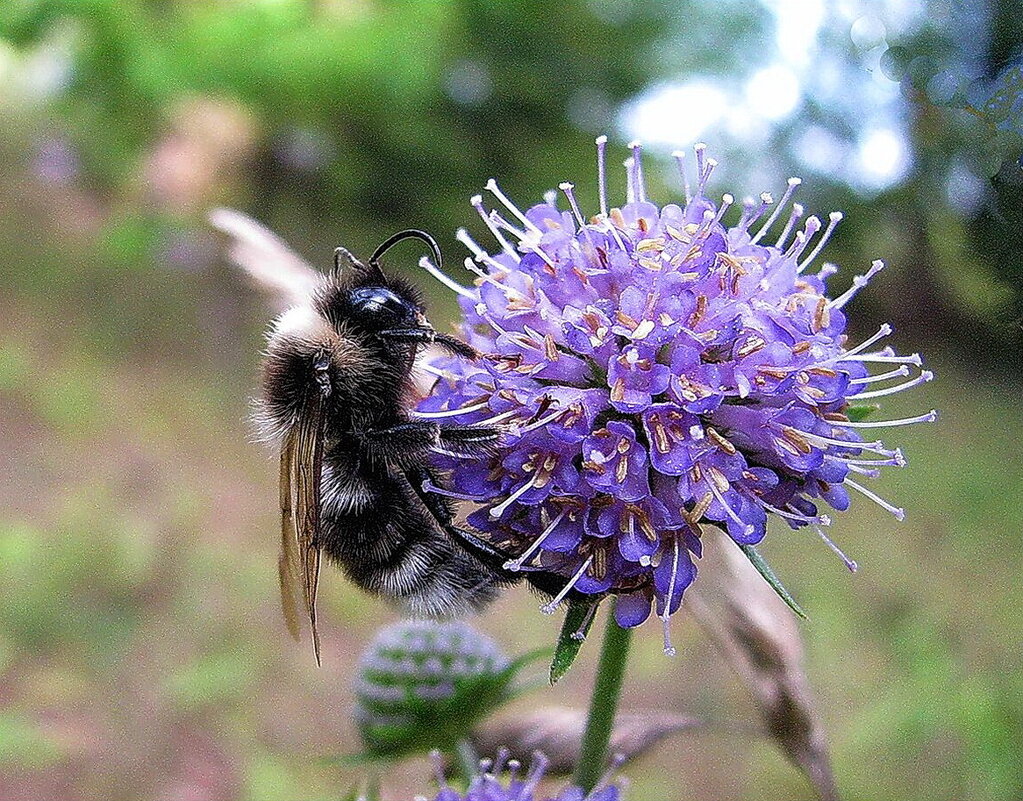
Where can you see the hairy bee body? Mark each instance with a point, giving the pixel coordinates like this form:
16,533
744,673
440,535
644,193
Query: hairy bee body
337,397
372,521
336,393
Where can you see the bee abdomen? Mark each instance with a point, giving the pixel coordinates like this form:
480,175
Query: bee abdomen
389,547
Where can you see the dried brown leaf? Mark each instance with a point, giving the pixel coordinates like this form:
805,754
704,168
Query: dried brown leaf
759,636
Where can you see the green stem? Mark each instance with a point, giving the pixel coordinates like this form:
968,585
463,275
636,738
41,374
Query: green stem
610,670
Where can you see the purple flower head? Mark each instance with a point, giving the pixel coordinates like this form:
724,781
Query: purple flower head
657,370
519,785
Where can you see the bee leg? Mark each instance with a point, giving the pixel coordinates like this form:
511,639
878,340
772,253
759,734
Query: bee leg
427,336
544,581
403,442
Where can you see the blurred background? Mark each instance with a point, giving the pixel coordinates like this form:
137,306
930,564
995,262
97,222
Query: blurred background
142,653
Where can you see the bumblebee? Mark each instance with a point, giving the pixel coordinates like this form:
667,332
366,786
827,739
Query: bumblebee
336,396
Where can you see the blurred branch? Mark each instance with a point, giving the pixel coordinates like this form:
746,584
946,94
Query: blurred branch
558,731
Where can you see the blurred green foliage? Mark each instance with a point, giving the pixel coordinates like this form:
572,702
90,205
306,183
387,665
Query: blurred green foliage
141,653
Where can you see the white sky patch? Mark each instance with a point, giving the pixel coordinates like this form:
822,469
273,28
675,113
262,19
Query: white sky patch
881,159
805,60
820,150
797,23
773,92
672,115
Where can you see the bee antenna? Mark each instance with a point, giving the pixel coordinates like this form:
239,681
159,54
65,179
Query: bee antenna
394,239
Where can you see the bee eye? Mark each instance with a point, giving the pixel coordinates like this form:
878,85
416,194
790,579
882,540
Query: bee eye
381,303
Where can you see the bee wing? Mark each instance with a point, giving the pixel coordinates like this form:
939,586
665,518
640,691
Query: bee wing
299,563
289,562
267,258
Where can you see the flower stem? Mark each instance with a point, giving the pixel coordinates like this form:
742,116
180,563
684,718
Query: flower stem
610,670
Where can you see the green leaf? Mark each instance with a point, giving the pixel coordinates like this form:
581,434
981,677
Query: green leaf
578,619
764,570
860,412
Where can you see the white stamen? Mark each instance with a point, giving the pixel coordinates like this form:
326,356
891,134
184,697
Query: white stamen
498,220
680,162
516,564
637,160
858,283
726,201
899,514
479,253
827,271
484,313
610,227
429,368
700,149
810,228
882,332
567,188
579,635
549,608
499,510
705,176
433,270
601,174
833,220
450,412
793,183
463,236
429,486
872,447
886,356
821,520
669,649
500,418
543,421
794,216
923,378
506,246
901,370
492,187
750,214
705,223
930,417
863,471
747,528
849,563
630,181
896,460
